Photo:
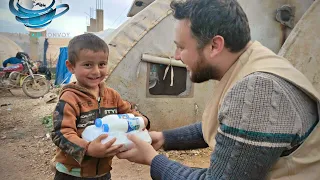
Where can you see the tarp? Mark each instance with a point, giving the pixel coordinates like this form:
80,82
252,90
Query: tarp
62,74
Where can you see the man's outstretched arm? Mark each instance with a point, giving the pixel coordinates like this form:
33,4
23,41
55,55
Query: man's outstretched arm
258,124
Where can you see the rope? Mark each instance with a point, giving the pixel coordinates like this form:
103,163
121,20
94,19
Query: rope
166,71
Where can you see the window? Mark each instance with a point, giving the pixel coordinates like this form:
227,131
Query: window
181,86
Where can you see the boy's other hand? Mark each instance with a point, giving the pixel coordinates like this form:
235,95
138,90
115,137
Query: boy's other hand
145,122
99,150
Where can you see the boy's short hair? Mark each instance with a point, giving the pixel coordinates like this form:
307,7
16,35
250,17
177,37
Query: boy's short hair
85,41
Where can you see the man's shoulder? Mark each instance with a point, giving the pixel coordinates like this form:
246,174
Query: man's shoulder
275,79
254,78
263,83
267,84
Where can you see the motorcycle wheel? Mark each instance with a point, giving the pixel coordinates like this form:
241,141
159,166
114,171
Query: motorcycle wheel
3,78
35,87
2,85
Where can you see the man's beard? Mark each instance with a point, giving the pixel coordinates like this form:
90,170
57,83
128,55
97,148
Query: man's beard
201,75
203,72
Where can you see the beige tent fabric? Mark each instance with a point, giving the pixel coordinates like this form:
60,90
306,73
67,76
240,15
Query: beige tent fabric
302,46
125,37
8,48
131,32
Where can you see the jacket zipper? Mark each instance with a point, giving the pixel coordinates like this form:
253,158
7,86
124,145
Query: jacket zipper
99,116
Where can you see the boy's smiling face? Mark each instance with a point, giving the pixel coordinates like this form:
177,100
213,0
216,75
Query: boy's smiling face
90,68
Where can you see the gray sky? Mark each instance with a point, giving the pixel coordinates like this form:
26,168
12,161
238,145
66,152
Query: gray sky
75,21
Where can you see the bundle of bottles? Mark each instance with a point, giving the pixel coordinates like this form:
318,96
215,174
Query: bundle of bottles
117,126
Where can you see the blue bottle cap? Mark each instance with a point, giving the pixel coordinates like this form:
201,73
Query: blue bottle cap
105,128
98,122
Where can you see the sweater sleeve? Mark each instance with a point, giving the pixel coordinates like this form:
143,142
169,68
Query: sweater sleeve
64,133
258,123
187,137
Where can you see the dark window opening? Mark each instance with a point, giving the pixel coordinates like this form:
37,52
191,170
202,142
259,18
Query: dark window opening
160,86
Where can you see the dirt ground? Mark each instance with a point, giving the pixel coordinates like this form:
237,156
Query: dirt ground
26,148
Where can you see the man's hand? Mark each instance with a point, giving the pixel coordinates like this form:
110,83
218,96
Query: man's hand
157,139
99,150
141,152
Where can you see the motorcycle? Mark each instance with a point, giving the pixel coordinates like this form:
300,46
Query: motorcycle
23,76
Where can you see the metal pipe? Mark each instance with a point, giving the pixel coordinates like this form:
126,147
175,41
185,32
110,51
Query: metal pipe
161,60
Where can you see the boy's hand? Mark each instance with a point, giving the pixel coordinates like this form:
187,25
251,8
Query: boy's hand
99,150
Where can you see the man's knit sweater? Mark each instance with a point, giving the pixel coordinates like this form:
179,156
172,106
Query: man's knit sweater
262,118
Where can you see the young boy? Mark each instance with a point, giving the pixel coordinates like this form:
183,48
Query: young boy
79,105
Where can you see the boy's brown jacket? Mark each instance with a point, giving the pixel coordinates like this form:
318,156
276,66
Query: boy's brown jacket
78,108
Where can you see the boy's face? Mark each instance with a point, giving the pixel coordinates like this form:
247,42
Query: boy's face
90,69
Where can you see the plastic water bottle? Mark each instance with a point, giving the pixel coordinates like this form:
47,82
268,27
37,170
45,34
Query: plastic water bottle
120,123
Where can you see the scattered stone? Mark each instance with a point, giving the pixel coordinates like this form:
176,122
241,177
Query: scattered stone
50,98
41,151
3,137
22,155
48,135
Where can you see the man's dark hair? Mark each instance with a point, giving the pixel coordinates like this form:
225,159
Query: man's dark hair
87,41
210,18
